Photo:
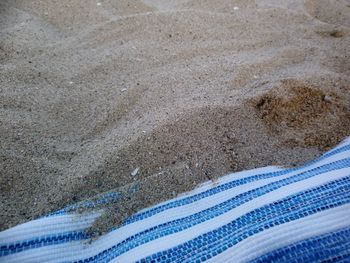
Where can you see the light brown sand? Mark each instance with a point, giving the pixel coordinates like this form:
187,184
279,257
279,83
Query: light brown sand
186,90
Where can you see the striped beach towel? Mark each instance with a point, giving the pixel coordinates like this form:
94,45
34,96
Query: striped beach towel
263,215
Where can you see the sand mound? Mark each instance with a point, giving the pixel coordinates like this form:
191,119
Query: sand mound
92,90
306,115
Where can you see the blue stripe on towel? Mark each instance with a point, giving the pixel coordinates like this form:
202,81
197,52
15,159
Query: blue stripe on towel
37,242
329,247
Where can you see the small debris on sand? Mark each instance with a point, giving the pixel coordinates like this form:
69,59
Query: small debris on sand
135,172
327,98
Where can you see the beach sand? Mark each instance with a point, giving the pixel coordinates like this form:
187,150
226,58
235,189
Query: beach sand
160,96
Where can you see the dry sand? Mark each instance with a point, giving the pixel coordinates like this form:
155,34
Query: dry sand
184,90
